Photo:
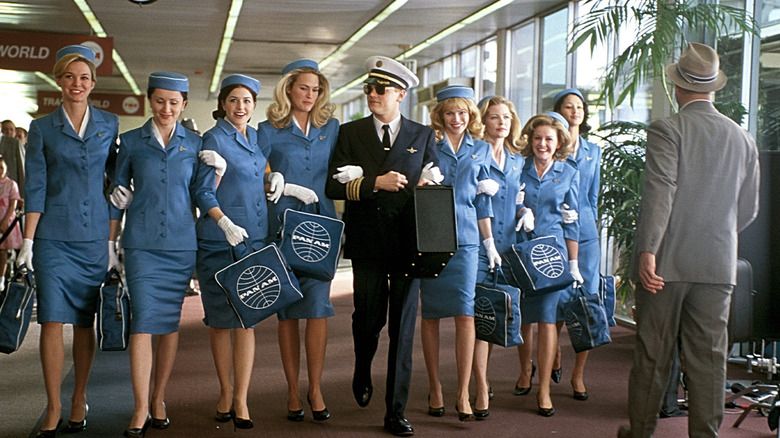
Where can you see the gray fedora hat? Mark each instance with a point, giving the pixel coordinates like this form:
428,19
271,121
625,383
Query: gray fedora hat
697,70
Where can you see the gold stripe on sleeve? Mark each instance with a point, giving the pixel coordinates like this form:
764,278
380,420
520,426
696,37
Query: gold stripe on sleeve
353,189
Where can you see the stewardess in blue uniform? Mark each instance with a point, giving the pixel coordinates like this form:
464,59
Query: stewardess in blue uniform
464,163
239,160
377,162
302,134
67,227
550,182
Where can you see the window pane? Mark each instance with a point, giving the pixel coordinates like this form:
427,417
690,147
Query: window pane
468,62
521,73
553,56
433,73
489,67
768,133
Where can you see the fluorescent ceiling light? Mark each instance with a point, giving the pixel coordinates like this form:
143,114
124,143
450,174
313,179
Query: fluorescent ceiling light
374,22
227,39
48,80
98,29
436,38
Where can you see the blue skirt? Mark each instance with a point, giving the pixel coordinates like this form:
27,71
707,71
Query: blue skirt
157,281
540,308
212,257
68,277
452,292
589,257
315,303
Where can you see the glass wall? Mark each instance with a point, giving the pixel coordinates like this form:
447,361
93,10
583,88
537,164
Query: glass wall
768,130
489,68
553,55
521,70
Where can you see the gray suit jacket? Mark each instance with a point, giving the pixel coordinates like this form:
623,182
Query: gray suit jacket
700,189
12,152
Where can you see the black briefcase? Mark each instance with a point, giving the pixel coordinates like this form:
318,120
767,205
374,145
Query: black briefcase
434,229
741,311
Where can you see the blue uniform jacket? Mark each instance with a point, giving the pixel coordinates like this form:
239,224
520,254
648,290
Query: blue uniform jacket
303,161
589,164
165,182
544,197
463,172
240,194
65,175
503,202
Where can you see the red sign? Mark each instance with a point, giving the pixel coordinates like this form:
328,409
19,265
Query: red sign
31,51
119,104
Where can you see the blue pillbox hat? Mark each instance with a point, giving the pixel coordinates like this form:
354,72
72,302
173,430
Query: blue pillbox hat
301,63
565,93
559,118
78,49
484,99
451,91
247,81
169,81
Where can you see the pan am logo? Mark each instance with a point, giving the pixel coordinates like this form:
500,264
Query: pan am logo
547,260
310,241
484,316
258,287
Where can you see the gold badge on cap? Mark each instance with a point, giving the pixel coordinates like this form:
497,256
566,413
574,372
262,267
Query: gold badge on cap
379,63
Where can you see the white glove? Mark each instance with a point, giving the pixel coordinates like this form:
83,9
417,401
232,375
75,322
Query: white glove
488,187
492,253
121,197
432,173
113,259
25,254
277,186
304,194
213,159
520,198
527,221
233,233
569,216
348,173
574,268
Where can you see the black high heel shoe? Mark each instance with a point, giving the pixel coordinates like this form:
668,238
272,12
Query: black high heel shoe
556,375
481,414
462,416
434,412
223,417
296,415
525,391
161,423
581,396
241,423
544,412
318,415
138,433
77,426
49,433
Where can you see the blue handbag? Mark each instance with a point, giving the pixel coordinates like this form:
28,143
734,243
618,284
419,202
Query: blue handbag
113,314
537,266
607,295
311,243
497,312
259,284
586,321
16,306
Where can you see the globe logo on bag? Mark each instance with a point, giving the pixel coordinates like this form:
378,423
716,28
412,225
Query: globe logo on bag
484,316
258,287
547,260
310,241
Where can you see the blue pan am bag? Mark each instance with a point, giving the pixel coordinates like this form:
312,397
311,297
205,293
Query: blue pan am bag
537,266
16,306
259,284
113,314
311,243
497,312
586,321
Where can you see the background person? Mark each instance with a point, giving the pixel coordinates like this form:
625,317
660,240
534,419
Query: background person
550,181
12,151
302,134
464,162
67,228
685,256
9,199
587,156
239,160
377,162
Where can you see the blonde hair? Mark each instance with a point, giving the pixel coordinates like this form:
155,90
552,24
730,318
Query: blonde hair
564,149
475,126
512,141
279,113
62,64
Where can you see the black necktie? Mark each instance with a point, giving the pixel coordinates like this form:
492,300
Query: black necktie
386,137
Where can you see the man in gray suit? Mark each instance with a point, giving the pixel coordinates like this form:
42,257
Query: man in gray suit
700,189
11,150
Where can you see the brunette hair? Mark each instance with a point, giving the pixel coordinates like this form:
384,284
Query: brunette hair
220,113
